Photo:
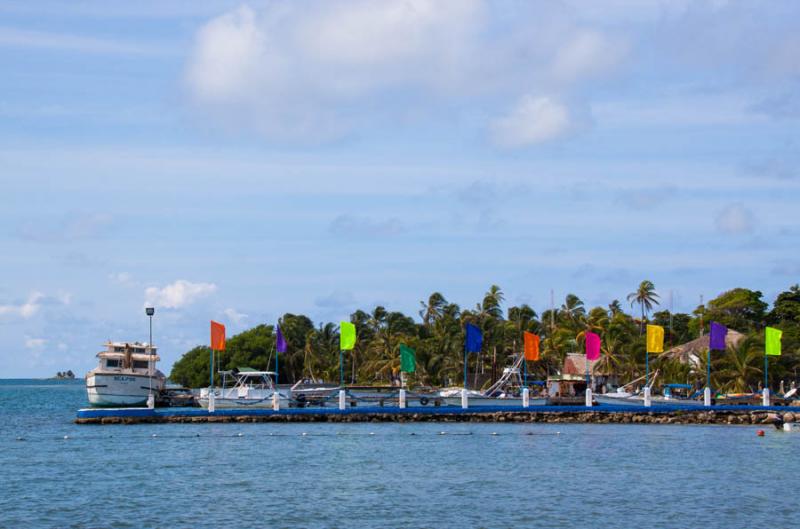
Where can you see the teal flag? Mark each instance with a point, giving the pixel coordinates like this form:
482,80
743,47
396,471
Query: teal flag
408,359
773,341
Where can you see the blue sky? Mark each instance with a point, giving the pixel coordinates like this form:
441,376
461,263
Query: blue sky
236,161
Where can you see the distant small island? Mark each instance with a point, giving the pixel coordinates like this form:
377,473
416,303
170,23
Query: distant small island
65,375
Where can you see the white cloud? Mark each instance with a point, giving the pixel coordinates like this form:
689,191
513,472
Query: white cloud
237,318
588,54
735,219
312,71
123,278
533,120
34,343
26,309
177,294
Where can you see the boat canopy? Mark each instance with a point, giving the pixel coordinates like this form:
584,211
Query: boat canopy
678,386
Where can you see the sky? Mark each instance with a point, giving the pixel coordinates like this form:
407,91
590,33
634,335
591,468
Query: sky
239,160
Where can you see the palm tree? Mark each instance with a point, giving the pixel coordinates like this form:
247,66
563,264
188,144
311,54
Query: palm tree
741,366
432,310
646,297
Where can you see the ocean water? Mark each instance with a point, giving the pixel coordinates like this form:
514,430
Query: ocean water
58,474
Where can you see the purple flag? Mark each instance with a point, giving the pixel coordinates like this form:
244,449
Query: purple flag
592,346
280,341
717,339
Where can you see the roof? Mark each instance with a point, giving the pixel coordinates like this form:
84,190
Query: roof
134,356
575,364
690,352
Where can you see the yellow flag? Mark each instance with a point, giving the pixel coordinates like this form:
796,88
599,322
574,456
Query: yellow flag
655,339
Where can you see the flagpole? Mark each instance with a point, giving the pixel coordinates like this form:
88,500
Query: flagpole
341,368
211,369
766,371
465,365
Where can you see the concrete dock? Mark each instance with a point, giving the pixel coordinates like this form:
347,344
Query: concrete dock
581,414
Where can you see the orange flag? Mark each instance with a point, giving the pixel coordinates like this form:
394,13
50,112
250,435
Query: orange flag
531,345
217,336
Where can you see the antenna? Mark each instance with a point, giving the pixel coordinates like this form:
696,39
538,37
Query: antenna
670,317
702,310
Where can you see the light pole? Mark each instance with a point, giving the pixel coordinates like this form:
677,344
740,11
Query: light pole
150,311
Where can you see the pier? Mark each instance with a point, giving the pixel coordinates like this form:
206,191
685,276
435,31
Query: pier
537,414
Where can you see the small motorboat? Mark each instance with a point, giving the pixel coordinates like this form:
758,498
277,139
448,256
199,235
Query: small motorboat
244,388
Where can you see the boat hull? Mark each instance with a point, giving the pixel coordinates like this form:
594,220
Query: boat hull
230,399
479,402
113,390
639,401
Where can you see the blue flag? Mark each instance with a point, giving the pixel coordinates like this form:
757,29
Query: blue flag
280,341
474,339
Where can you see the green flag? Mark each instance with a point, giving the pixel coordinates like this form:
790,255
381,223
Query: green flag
347,336
773,341
408,359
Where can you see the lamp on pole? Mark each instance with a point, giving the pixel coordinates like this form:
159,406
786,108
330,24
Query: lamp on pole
150,311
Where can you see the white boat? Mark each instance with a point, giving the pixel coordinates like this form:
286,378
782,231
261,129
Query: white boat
624,398
125,376
249,389
497,394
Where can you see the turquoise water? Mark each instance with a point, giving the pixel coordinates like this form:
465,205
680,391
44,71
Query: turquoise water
382,475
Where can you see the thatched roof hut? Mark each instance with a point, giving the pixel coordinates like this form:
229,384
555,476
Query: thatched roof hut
691,352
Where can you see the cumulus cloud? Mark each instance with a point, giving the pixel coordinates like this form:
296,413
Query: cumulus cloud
178,294
533,120
34,343
26,309
312,72
122,278
735,219
589,53
235,317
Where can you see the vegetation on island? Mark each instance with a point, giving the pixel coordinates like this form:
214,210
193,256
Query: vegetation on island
438,338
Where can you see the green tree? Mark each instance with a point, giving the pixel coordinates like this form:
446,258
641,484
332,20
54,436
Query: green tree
645,295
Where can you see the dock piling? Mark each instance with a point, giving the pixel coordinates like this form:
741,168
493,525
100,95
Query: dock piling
276,401
647,401
526,398
707,397
211,404
589,398
464,399
341,399
402,398
765,397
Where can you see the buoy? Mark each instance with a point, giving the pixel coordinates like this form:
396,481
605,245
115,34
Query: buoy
372,433
240,434
760,433
442,433
494,433
66,437
304,434
20,438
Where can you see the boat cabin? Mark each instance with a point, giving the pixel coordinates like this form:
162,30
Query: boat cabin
246,377
130,357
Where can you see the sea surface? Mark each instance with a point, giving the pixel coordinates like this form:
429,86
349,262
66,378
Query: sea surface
58,474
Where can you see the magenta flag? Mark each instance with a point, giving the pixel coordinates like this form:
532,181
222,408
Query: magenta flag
592,346
717,339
